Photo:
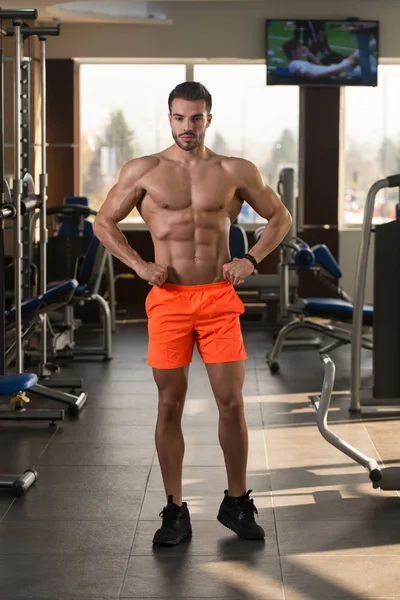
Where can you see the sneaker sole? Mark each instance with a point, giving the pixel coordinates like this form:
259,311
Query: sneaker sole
228,523
174,542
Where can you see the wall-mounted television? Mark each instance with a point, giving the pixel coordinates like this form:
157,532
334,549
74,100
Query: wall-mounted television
322,52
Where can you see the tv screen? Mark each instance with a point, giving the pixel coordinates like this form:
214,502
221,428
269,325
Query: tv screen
302,52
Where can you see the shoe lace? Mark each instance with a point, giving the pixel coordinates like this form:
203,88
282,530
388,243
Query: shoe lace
248,507
169,515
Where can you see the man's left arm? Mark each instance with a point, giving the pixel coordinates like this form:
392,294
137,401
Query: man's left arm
268,205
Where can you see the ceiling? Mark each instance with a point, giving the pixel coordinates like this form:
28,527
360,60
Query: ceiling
95,11
127,11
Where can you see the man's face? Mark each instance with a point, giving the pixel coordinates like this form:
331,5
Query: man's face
189,121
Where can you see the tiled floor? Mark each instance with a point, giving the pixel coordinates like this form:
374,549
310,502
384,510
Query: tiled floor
85,530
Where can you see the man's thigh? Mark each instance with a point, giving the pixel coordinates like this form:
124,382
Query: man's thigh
226,381
220,339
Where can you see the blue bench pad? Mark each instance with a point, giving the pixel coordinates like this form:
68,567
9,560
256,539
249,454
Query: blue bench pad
336,309
11,384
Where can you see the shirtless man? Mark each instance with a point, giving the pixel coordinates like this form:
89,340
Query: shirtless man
189,196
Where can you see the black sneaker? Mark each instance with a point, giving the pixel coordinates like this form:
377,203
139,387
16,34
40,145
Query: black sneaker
176,524
238,515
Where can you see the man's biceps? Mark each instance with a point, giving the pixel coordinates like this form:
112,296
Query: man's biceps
260,195
123,210
265,204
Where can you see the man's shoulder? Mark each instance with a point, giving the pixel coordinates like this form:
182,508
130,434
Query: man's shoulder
237,165
137,167
149,160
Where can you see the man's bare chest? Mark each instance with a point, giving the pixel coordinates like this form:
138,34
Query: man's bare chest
176,189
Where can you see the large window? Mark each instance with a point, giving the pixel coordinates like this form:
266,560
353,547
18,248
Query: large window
124,114
372,145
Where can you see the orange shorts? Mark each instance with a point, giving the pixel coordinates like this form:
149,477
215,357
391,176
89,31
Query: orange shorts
180,315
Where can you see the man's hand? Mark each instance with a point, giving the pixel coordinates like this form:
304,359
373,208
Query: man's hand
154,274
237,270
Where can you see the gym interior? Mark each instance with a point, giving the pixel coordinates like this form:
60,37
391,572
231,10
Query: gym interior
84,88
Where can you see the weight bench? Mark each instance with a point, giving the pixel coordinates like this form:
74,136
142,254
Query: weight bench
331,309
32,311
338,311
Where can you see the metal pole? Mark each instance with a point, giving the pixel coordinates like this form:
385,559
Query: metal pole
284,296
40,31
322,408
359,294
43,196
18,13
286,189
26,284
289,200
17,191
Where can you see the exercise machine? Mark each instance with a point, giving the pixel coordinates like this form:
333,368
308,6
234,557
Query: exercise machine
18,485
25,202
385,395
74,251
386,340
72,227
297,315
89,275
326,316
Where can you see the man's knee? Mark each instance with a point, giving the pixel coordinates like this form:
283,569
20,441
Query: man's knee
171,400
172,387
230,405
170,405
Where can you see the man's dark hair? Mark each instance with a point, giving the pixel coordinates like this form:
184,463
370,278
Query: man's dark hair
191,90
290,46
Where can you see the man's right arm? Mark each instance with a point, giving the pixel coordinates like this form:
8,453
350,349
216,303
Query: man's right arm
120,201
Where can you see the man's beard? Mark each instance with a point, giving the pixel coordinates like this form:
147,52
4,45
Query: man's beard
188,146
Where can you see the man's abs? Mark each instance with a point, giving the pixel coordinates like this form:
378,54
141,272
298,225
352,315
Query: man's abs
191,263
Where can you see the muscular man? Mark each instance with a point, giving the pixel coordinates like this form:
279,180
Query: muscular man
189,196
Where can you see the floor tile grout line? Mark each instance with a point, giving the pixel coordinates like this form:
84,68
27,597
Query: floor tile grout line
7,511
138,520
282,576
49,442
